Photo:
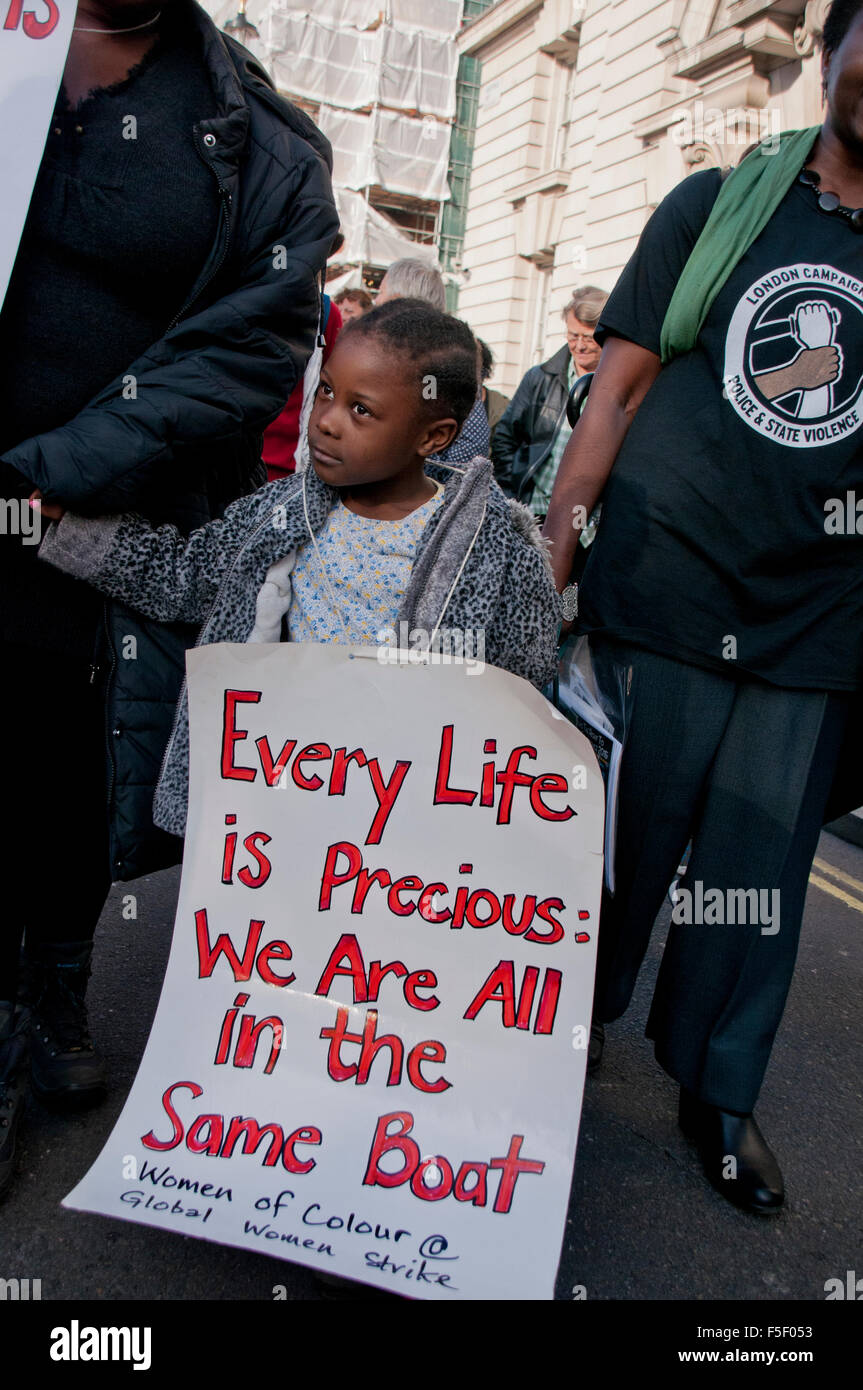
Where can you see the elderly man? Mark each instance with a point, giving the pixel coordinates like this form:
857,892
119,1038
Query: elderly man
412,279
530,439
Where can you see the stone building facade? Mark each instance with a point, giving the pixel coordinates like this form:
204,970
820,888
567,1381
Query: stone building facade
590,111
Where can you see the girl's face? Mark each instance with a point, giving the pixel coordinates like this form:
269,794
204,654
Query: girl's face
369,422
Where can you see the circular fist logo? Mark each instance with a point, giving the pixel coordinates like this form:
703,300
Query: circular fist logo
794,356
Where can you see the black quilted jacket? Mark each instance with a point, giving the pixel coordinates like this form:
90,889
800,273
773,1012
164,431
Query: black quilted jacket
189,442
526,429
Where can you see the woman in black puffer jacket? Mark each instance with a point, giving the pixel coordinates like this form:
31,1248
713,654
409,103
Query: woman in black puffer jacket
163,305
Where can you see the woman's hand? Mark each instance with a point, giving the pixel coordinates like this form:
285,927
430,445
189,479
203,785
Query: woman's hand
54,511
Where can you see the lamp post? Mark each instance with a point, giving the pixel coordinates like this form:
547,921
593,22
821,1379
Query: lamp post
241,27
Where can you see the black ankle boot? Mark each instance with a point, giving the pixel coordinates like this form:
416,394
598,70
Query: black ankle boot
735,1155
65,1068
14,1028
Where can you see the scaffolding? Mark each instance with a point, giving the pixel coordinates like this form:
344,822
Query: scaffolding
379,79
453,218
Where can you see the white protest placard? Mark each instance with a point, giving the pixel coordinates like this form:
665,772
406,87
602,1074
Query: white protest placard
34,41
370,1048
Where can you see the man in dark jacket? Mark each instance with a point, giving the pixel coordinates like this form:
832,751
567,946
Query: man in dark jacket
163,305
530,425
526,428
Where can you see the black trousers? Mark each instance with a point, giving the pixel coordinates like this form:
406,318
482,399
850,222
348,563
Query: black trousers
744,770
53,822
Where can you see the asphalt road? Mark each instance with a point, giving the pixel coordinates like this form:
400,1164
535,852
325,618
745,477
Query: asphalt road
643,1223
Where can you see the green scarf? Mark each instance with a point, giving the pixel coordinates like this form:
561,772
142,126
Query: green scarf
746,202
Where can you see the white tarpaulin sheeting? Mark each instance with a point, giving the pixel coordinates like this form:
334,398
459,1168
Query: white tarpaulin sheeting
359,14
432,16
384,75
351,137
412,156
418,72
397,152
345,67
313,60
351,280
371,238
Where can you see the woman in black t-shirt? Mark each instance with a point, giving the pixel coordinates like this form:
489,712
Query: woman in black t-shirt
722,580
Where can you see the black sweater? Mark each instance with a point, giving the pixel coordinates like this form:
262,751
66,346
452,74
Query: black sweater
122,217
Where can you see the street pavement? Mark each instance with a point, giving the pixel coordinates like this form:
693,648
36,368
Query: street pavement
643,1223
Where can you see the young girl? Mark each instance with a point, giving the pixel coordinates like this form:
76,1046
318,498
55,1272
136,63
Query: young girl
370,537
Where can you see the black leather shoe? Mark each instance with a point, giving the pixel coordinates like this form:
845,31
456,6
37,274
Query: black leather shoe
13,1087
65,1068
736,1158
594,1047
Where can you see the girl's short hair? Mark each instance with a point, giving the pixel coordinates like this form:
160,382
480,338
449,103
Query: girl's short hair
439,349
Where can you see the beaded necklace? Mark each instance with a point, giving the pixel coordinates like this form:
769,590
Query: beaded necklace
829,202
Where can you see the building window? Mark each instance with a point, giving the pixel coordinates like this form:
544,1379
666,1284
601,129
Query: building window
473,8
562,95
542,280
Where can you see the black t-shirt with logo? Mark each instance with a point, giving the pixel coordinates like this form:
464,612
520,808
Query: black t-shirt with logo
728,535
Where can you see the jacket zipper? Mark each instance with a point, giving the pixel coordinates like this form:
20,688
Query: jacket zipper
108,732
225,225
94,664
225,200
198,290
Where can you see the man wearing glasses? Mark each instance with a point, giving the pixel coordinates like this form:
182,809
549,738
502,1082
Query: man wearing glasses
531,435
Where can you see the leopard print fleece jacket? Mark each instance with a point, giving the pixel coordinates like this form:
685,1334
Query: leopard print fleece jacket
481,566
